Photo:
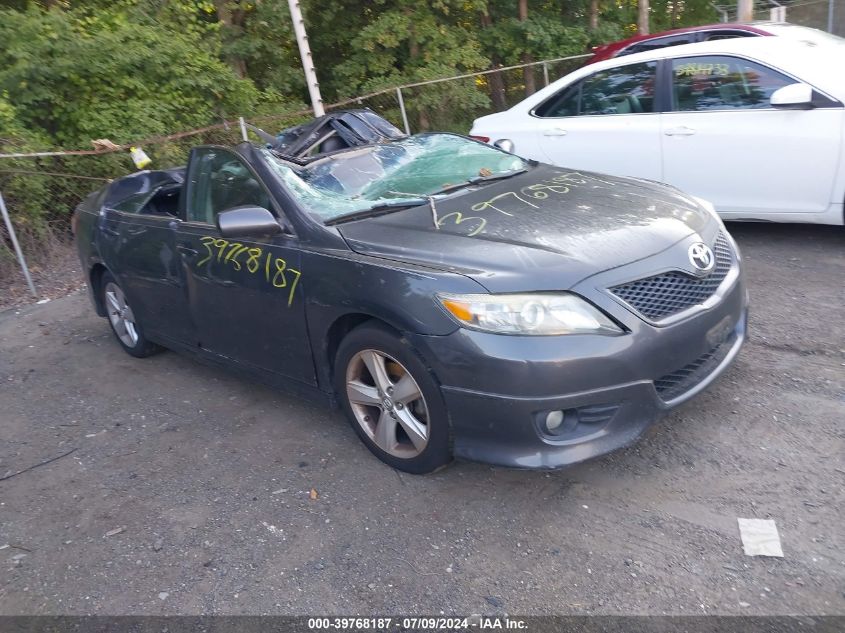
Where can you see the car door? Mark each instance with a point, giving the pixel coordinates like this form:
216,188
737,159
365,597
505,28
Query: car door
245,294
140,251
723,140
606,122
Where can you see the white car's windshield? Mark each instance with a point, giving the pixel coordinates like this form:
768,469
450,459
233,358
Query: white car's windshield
391,173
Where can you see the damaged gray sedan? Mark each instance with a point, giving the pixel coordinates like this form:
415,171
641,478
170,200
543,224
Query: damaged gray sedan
454,299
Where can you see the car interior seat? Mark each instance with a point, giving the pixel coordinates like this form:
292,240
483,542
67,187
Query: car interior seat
684,98
234,186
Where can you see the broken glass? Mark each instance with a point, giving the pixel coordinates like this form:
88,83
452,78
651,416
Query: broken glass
406,170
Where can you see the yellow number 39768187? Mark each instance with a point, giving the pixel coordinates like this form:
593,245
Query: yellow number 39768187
278,277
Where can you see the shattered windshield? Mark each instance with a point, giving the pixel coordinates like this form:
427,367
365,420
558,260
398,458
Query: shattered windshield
406,170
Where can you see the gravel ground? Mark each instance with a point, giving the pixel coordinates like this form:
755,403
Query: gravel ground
189,490
55,272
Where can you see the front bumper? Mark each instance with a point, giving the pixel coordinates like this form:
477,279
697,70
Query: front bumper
498,389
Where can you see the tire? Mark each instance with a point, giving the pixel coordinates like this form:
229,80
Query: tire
126,329
401,416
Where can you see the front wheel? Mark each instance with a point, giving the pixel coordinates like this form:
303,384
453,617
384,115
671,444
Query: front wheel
392,400
126,328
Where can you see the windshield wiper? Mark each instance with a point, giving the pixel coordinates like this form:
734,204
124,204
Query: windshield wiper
479,180
375,211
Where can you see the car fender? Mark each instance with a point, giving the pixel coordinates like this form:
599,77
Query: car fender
343,290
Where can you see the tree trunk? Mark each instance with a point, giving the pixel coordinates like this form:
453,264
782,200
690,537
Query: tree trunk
527,58
495,80
594,14
676,9
232,19
642,17
413,56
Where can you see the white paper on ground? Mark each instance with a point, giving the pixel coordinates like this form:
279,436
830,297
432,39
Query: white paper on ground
760,537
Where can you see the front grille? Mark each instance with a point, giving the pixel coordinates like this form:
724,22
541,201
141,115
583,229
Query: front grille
666,294
682,380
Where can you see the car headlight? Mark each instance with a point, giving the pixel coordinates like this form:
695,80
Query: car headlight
546,314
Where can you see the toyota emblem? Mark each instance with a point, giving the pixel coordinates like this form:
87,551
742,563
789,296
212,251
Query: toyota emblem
701,257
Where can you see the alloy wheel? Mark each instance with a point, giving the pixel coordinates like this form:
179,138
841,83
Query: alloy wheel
120,315
387,403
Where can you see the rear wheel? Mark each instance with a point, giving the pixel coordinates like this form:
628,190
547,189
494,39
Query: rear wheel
392,401
122,319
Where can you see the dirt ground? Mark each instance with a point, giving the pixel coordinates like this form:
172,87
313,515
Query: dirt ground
55,272
188,490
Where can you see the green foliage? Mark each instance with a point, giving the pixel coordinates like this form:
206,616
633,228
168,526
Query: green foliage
542,37
108,77
409,41
16,187
670,14
267,44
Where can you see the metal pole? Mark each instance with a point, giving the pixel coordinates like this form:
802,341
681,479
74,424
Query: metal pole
17,246
307,61
546,73
723,14
242,123
830,16
744,10
402,110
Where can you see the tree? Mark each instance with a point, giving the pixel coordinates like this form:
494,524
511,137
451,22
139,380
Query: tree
642,17
550,30
24,196
414,41
232,15
527,58
495,80
79,77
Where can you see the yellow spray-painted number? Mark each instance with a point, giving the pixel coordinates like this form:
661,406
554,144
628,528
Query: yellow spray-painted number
275,269
511,201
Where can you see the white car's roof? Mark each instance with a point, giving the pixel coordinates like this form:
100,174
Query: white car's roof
818,63
800,32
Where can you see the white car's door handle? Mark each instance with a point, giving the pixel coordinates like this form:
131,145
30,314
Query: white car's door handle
683,130
554,131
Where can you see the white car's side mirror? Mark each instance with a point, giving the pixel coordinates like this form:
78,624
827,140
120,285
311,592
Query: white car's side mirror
796,96
505,144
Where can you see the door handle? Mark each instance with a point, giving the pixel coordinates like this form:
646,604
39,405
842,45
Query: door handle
187,250
682,130
554,131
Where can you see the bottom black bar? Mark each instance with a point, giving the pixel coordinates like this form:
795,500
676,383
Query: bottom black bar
397,624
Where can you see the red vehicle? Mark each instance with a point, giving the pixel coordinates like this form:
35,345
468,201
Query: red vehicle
691,34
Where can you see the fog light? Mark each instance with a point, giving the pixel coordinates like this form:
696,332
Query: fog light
554,419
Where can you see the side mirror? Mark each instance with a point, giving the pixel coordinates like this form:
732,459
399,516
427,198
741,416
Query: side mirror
505,144
247,221
793,97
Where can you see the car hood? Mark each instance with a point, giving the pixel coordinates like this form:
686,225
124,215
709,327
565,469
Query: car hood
545,229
